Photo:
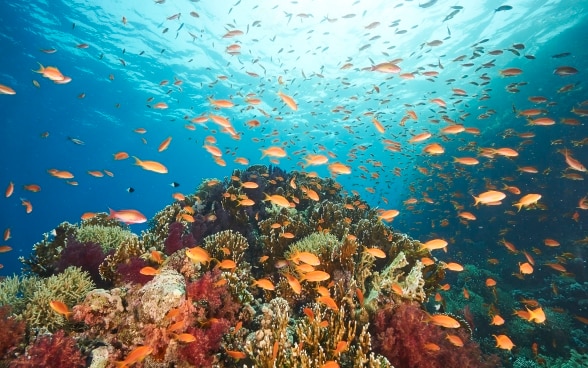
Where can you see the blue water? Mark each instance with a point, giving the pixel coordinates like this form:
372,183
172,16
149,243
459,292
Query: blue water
299,48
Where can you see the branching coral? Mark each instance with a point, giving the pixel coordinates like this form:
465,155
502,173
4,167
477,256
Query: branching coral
226,244
69,287
108,237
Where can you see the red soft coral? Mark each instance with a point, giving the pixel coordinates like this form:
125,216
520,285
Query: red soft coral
12,331
215,300
51,351
401,334
208,341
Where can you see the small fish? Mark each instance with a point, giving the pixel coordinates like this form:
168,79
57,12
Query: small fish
503,8
130,189
79,142
60,308
174,184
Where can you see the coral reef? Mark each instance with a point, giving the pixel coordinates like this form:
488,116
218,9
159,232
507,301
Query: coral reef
29,296
13,332
296,276
403,335
108,237
51,351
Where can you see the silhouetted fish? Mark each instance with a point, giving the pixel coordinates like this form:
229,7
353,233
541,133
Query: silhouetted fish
503,8
426,5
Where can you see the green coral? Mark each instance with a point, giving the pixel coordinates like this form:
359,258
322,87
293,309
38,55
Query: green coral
109,237
576,360
29,296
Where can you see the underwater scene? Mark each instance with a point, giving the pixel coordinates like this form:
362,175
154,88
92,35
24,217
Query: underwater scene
296,183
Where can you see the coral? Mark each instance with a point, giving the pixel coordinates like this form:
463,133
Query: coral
173,242
101,310
69,287
575,360
234,243
13,331
47,252
129,271
131,247
273,331
167,290
108,237
201,353
212,300
401,334
86,255
522,362
51,351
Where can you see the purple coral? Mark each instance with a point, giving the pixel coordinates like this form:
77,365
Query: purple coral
129,271
87,256
51,351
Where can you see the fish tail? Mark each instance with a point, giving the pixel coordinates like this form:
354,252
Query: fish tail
137,160
41,68
476,199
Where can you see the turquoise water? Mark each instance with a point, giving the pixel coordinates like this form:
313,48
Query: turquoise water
324,54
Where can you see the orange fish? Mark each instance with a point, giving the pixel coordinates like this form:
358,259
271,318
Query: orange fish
5,90
135,356
7,234
525,268
435,244
288,101
5,248
163,145
315,276
149,271
128,216
497,320
151,166
9,190
32,188
275,151
27,204
264,284
198,255
455,340
305,257
328,301
491,196
444,321
60,308
503,342
184,337
527,200
51,73
235,354
293,282
376,252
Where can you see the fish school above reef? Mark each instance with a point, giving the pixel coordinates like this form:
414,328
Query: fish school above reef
263,269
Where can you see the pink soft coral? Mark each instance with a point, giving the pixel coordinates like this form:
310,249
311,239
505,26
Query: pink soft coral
214,300
51,351
401,334
208,341
12,331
